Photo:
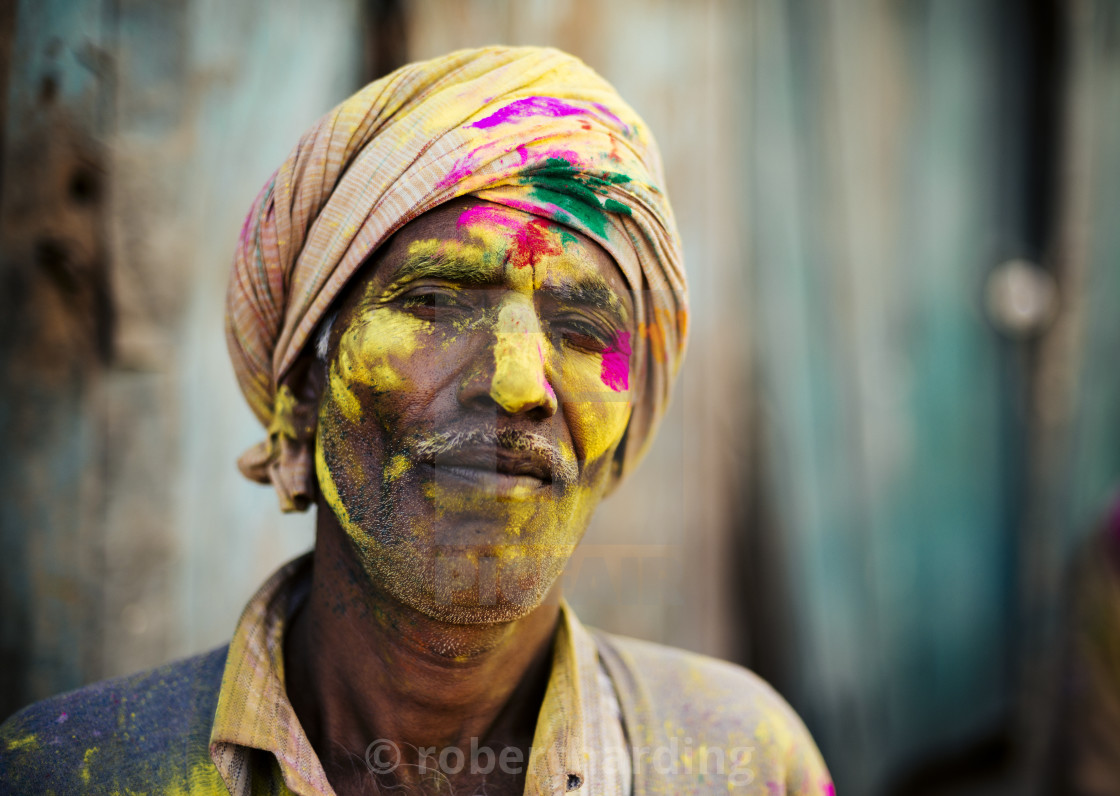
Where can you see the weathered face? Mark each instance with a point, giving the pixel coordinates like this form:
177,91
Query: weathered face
478,386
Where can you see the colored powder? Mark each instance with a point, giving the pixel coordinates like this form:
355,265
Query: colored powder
342,395
397,466
26,742
603,109
533,241
659,320
615,370
86,758
530,106
576,192
518,359
466,165
483,214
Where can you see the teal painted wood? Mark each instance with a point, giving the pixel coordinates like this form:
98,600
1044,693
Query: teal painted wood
52,262
872,207
128,536
202,135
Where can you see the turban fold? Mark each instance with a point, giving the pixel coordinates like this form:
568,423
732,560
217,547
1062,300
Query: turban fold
530,128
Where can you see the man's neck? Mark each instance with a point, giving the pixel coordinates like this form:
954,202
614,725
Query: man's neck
362,667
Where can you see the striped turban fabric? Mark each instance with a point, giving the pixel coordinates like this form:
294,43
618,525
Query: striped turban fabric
530,128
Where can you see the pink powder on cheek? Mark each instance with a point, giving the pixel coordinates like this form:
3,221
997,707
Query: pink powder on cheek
544,377
615,370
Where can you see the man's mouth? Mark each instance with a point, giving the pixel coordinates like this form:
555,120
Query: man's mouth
507,462
495,469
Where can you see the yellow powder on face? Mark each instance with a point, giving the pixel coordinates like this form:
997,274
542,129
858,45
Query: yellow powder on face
598,417
492,238
328,488
466,254
369,347
397,466
519,379
342,396
602,424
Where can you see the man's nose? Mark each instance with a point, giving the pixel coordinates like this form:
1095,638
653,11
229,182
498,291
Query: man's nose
519,382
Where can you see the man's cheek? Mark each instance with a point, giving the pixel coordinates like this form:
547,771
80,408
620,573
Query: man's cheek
598,415
377,349
600,426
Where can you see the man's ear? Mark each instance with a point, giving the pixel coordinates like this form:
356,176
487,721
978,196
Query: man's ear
291,457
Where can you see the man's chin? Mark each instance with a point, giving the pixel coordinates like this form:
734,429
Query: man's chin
467,613
479,586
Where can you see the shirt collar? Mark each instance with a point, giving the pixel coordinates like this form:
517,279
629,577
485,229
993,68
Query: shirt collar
253,708
254,712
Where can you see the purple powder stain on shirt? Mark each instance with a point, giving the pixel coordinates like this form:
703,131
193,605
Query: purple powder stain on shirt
615,370
530,106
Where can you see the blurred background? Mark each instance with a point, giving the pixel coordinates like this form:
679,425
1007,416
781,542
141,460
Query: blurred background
897,429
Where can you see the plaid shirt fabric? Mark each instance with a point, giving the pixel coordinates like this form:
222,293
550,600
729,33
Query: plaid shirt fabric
580,713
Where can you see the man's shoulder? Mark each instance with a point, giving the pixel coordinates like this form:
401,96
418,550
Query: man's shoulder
668,671
117,735
719,716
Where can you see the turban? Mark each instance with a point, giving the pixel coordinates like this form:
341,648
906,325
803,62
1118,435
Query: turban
526,127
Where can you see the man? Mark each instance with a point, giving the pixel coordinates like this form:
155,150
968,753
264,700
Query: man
458,308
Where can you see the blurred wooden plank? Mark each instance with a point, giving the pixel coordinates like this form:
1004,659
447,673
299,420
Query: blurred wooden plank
56,327
873,198
137,135
212,97
1090,263
1076,425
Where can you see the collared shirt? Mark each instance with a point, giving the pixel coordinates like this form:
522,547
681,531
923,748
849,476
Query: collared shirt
579,743
221,722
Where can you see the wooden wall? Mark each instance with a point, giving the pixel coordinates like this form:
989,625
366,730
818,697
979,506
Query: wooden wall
136,136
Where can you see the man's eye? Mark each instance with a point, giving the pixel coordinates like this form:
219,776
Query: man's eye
427,304
583,336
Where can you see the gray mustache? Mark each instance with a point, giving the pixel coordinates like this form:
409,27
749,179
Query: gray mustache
439,444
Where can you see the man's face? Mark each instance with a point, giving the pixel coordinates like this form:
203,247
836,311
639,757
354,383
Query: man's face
478,386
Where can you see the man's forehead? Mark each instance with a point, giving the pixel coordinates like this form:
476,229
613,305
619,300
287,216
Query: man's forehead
474,242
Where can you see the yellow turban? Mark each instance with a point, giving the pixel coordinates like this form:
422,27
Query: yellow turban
531,128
